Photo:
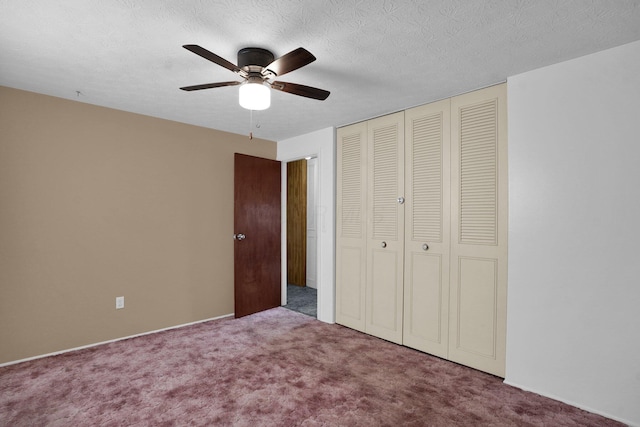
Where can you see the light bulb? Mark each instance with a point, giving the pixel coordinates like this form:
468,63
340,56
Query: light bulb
255,96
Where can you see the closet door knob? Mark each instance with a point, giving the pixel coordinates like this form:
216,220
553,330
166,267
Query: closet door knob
425,247
383,244
401,200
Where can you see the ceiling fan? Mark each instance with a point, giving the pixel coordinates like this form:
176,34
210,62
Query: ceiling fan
259,68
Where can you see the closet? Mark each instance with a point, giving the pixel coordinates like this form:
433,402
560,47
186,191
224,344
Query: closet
421,235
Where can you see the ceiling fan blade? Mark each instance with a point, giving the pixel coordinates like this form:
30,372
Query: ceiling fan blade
209,85
302,90
213,58
291,61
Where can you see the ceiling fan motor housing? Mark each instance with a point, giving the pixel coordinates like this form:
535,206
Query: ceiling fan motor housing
254,56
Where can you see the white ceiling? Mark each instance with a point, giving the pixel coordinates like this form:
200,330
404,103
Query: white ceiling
375,57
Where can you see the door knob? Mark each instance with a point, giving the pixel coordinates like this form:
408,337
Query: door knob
401,200
383,244
239,236
425,247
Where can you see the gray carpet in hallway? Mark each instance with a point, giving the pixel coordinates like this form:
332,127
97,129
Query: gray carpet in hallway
302,299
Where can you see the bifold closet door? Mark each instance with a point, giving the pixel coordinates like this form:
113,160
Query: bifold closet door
351,229
385,227
477,322
427,235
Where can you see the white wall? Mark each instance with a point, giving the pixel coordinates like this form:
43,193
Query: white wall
574,234
320,144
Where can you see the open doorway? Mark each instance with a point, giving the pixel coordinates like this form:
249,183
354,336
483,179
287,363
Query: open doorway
321,145
302,182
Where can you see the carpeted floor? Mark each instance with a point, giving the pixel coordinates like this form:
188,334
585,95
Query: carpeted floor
302,299
275,368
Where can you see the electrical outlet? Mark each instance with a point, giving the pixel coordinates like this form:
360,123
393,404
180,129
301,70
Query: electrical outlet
119,303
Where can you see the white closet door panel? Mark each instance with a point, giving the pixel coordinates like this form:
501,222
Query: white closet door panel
427,235
350,293
385,302
385,226
477,291
351,226
425,296
477,330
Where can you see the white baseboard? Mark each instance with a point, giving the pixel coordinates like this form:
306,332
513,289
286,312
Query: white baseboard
55,353
569,402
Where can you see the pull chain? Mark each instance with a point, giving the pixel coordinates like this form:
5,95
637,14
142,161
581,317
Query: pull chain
251,124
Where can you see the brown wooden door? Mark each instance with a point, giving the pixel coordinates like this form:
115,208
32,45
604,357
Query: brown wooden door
297,223
257,234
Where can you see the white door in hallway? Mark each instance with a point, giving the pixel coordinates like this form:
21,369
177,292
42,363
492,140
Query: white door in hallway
312,223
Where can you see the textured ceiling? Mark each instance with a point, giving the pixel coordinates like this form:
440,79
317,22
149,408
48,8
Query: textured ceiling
375,57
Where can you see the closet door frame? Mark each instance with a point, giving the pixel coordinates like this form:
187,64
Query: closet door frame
449,300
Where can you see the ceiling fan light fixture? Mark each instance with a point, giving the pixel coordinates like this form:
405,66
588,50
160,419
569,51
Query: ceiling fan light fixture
258,68
255,95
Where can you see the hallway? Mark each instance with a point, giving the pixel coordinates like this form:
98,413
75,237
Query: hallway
302,299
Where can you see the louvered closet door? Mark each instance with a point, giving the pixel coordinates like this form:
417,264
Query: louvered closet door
385,227
351,226
427,236
479,230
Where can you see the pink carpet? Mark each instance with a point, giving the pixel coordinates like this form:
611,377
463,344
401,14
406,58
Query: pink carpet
276,368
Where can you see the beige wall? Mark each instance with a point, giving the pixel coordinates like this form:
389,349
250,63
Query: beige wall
97,203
